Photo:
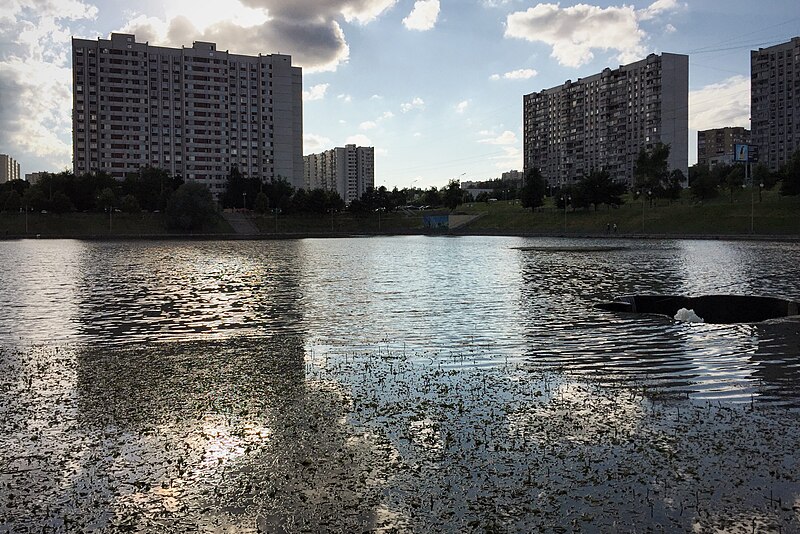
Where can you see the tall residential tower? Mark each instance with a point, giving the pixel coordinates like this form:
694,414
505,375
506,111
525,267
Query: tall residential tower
775,102
348,170
195,112
603,121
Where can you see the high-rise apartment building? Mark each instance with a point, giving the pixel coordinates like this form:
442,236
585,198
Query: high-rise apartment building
717,145
775,102
9,168
194,112
603,121
348,170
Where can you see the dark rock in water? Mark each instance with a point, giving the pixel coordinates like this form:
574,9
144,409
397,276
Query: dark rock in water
717,309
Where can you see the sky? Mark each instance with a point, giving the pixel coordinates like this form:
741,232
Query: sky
435,86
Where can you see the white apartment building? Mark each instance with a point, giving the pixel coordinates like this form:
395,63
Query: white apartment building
775,102
348,170
194,112
9,168
603,121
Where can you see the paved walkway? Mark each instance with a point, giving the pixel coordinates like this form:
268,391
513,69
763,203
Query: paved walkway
240,223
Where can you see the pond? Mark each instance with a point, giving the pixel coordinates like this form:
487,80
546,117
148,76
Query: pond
395,384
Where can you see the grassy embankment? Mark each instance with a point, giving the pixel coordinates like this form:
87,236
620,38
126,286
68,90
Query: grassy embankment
773,215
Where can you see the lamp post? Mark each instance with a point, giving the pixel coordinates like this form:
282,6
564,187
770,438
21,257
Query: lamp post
566,199
642,193
244,200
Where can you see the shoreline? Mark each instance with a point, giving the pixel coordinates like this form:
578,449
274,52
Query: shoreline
791,238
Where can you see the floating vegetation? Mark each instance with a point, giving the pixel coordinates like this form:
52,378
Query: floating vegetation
266,435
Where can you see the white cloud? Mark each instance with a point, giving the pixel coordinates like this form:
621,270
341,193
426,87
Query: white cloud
36,79
386,115
345,98
424,15
726,103
669,28
519,74
462,106
657,8
574,32
358,140
417,103
306,29
316,92
368,125
313,143
506,138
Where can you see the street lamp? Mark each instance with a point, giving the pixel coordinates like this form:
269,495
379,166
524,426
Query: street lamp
648,197
566,199
244,200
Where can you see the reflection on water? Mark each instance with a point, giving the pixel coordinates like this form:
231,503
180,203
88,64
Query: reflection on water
480,297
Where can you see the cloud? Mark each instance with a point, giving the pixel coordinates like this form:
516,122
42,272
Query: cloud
462,106
316,92
669,28
574,32
313,143
368,125
306,29
506,138
424,15
657,8
358,140
345,98
726,103
36,79
519,74
417,103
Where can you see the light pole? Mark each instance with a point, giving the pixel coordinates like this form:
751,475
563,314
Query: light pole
648,197
566,199
244,200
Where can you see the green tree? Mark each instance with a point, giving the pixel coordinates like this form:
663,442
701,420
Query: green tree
106,199
10,200
453,195
533,189
34,199
130,204
60,203
598,188
261,204
702,182
191,208
734,179
651,172
791,176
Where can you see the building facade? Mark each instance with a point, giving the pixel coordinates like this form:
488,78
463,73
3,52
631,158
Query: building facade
9,168
603,121
348,170
717,145
194,112
775,102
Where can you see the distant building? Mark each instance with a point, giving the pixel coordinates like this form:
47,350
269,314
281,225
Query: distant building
717,145
34,177
193,111
603,121
775,102
348,170
9,168
512,176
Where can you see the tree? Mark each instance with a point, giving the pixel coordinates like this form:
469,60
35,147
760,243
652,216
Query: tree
532,194
34,198
791,176
702,182
261,205
60,203
652,171
129,204
598,188
190,208
734,179
106,199
431,197
10,200
452,196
